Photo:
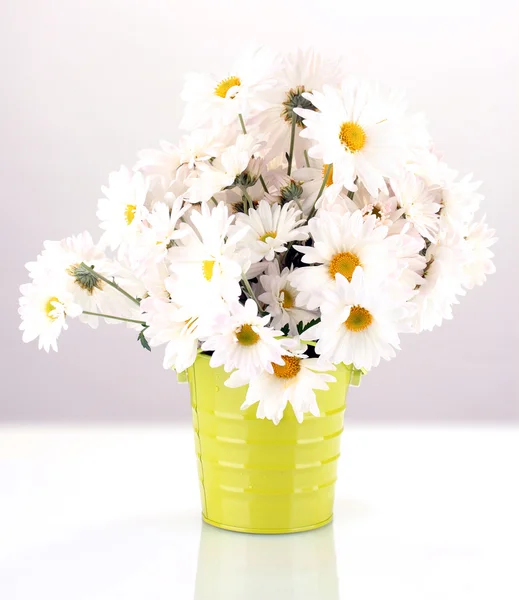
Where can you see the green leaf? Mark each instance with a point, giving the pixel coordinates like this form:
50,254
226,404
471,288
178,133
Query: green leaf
142,339
307,326
285,329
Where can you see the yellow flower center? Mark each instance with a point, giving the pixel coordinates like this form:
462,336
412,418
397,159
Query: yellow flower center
288,299
359,319
129,213
268,234
225,85
208,268
49,307
352,136
329,179
246,336
344,263
289,370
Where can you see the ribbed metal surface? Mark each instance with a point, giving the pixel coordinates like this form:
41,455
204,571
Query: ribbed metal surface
256,476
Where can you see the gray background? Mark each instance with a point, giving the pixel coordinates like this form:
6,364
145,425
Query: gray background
88,84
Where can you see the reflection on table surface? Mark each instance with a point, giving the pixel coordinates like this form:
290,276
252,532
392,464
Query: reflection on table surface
285,567
421,513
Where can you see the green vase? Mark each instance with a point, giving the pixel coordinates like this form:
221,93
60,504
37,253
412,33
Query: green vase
257,477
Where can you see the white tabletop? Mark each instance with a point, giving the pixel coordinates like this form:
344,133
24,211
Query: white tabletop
113,513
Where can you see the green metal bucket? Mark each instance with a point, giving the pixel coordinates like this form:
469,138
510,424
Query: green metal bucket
257,477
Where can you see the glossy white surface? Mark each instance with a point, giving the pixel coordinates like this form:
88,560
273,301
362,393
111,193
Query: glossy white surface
109,514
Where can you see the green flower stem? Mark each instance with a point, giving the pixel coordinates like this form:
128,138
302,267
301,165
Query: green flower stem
292,140
350,193
247,197
321,190
307,160
249,290
111,283
87,312
244,129
263,184
242,123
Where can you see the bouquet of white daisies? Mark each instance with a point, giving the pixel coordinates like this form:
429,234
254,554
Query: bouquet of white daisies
302,222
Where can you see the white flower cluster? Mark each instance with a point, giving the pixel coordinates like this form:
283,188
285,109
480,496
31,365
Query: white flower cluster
302,222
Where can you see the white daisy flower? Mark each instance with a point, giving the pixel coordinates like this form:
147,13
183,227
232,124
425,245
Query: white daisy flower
155,280
203,145
356,131
269,228
407,247
244,341
158,235
479,263
301,71
341,244
276,178
405,244
442,282
170,165
205,183
205,262
60,257
460,202
429,166
160,163
238,202
318,179
359,325
62,260
167,193
292,382
420,204
333,200
220,99
384,207
280,297
174,326
44,307
281,187
224,172
123,210
416,135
